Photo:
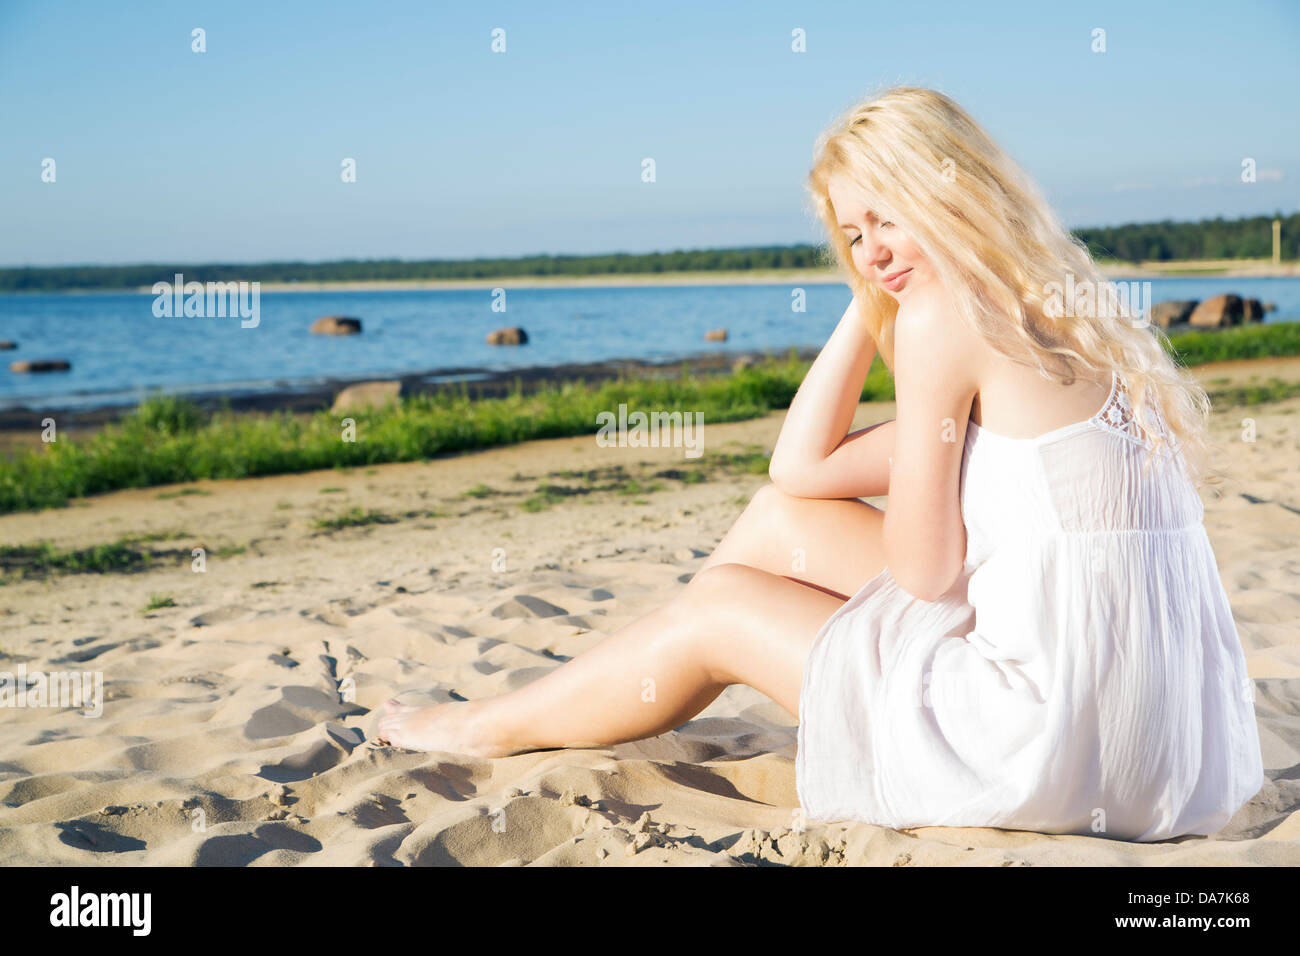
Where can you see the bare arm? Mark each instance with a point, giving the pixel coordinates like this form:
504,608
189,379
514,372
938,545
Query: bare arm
936,357
813,457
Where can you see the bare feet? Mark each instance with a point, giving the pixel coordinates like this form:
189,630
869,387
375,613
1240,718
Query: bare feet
451,728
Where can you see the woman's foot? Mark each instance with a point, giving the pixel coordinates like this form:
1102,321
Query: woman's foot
453,728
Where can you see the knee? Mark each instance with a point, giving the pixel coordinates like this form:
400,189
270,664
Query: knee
713,586
708,609
770,499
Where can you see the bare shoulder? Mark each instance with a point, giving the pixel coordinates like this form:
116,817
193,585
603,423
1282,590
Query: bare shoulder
932,342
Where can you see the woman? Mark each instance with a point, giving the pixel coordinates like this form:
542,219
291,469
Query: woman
1033,635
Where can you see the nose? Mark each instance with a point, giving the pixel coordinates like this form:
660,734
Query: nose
876,253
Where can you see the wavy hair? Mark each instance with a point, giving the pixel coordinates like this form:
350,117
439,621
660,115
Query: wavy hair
999,248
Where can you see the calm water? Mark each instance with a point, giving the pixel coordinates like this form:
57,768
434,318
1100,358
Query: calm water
119,350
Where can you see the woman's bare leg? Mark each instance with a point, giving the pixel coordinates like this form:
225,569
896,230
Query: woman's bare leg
835,544
735,623
732,624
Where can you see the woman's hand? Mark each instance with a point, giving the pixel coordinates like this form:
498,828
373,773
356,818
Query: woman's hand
814,457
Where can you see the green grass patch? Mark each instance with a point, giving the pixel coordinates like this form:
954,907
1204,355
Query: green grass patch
354,518
168,440
1251,393
1255,340
120,556
44,558
158,600
182,492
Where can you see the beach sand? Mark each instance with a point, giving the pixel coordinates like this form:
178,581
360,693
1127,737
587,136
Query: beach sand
235,724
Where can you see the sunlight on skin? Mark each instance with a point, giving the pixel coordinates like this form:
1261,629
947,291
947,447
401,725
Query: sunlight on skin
435,727
881,247
662,643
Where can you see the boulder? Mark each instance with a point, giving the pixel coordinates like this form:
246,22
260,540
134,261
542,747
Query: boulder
1220,311
366,395
336,325
1174,312
6,345
715,335
41,365
1252,310
511,336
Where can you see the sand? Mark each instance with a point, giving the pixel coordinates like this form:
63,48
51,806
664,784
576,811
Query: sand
235,724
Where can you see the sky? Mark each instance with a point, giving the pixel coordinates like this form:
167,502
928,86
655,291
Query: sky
163,154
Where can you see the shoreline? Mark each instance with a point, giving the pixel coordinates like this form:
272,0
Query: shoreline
1181,269
302,396
20,427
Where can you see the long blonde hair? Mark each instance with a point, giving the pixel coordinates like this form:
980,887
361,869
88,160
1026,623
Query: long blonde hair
998,246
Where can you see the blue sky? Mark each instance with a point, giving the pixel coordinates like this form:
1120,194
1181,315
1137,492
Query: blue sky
234,154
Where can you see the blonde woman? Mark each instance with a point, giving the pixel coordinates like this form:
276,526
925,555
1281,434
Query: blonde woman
1034,634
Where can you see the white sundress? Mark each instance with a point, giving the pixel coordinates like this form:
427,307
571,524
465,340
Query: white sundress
1082,675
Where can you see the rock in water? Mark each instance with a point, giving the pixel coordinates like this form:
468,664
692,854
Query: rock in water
715,335
1165,314
336,325
511,336
1217,312
41,365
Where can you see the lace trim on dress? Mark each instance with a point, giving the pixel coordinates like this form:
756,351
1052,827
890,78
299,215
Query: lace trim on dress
1117,413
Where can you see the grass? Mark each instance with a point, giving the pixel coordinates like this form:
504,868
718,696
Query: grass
354,518
113,557
168,440
45,558
183,491
156,601
1198,346
1256,394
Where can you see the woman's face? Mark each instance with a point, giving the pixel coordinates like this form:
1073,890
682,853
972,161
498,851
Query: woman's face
882,252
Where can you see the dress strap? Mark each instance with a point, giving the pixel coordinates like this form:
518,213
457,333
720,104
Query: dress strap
1118,414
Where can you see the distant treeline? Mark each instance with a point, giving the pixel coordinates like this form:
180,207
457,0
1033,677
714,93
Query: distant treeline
1250,238
1216,238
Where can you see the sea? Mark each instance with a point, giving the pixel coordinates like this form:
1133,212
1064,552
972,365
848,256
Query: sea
121,350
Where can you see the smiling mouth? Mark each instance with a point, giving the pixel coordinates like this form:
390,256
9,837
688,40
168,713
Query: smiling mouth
891,279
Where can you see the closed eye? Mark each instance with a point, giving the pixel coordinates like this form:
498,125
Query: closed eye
858,238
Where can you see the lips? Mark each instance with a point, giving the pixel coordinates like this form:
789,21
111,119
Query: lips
895,281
